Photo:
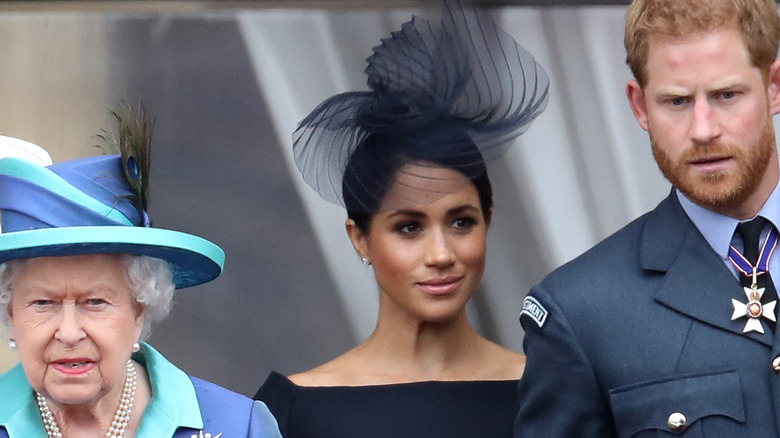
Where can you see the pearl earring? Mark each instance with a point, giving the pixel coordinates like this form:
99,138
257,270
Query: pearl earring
12,345
136,347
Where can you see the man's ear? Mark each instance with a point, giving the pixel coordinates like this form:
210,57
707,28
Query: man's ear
636,99
773,87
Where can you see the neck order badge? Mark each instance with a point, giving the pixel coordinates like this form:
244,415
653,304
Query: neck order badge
754,267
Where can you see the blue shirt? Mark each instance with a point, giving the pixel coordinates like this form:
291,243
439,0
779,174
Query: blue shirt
719,229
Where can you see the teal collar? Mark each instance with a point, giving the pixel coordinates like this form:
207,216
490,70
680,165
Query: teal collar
19,413
173,403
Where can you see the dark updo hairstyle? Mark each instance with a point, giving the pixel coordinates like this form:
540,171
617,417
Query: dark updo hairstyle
371,168
453,94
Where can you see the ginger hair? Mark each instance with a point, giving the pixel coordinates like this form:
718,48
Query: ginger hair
757,21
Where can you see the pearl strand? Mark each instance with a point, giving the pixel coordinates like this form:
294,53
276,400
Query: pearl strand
121,417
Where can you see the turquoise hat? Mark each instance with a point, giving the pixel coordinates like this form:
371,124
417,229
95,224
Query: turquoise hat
86,206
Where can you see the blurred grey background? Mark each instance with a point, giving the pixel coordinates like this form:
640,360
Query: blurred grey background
227,83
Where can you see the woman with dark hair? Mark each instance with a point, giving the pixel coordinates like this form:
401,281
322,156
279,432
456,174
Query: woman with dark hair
408,162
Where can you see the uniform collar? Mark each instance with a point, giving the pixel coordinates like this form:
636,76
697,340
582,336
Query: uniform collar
173,404
718,229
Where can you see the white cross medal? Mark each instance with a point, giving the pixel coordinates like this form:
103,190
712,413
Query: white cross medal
754,309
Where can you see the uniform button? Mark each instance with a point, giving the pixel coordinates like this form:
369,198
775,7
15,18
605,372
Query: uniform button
677,421
776,365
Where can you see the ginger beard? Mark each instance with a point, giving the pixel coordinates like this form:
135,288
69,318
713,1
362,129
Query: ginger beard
722,190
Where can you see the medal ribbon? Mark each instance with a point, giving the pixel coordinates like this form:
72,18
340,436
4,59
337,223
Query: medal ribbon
762,265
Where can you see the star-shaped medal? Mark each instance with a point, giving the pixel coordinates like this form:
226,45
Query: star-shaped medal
754,309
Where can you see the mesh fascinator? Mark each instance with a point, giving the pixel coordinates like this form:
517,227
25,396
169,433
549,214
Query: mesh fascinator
453,94
96,205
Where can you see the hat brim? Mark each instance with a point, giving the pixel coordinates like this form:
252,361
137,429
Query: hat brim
193,260
14,147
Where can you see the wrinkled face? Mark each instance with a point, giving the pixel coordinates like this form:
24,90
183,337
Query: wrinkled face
74,321
428,257
709,116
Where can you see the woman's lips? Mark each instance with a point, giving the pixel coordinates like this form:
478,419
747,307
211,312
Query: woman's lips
73,367
440,286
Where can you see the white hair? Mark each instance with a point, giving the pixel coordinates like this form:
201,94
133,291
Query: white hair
150,280
8,273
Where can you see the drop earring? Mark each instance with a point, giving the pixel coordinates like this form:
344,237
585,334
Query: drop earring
12,345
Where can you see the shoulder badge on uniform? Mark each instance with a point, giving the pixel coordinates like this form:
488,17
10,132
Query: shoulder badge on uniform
534,310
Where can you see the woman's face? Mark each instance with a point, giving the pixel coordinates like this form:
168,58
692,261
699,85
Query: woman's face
427,243
74,321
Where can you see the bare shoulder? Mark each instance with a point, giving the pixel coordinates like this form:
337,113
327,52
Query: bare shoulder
337,372
506,364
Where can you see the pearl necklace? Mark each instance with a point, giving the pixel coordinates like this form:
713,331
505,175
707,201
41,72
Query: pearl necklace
121,417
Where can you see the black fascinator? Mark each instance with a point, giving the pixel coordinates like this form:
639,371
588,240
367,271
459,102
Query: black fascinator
454,94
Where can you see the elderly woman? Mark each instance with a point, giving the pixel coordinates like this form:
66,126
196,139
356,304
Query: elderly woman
407,161
82,279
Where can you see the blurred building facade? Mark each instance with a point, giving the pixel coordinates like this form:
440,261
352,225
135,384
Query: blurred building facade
227,88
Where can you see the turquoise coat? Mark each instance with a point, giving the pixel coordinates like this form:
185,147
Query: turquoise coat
181,406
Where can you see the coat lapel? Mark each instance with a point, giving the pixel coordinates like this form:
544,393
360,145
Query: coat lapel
696,283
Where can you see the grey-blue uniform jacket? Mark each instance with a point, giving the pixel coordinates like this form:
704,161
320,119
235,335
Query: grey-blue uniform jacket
635,339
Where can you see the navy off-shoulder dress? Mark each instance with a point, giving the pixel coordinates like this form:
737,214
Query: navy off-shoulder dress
468,409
